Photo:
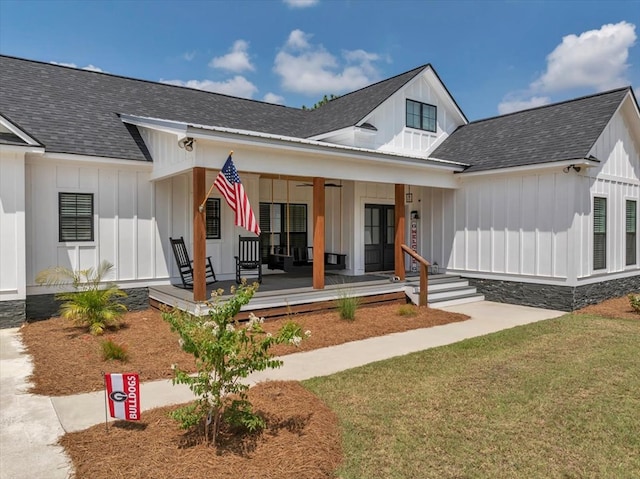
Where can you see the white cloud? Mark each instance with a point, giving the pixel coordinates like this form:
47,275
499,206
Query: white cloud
237,60
594,59
509,106
188,56
310,69
89,67
237,86
273,98
301,3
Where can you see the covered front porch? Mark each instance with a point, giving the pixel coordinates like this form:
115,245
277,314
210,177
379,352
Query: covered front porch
285,293
354,201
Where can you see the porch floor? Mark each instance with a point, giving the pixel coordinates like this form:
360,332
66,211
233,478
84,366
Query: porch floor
284,293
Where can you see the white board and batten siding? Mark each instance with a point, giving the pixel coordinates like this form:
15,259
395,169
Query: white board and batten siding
389,119
12,226
507,225
125,227
616,178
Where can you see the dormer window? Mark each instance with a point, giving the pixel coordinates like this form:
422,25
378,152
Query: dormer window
421,116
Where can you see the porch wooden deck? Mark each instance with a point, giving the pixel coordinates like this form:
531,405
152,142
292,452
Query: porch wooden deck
280,294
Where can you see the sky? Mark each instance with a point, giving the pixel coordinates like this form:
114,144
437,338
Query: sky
494,57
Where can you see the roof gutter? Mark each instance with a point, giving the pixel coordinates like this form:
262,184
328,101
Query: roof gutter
589,162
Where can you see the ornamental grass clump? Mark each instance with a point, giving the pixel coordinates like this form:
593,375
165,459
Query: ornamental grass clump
225,351
347,305
634,301
407,310
92,303
114,351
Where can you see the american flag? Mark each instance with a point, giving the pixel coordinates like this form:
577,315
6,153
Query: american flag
229,184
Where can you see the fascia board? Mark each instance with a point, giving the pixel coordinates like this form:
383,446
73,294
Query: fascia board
167,126
582,162
98,160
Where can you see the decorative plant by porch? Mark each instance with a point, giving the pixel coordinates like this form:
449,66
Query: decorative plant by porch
92,303
634,301
225,353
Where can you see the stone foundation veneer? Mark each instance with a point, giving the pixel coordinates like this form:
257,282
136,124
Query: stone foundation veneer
12,313
563,298
43,306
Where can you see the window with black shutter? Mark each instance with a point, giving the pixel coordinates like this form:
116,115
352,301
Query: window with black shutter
631,222
75,216
212,214
599,233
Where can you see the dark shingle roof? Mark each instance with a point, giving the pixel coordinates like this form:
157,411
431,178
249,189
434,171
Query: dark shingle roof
562,131
349,109
76,111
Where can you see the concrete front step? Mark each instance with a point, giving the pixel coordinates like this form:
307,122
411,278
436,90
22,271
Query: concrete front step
456,300
444,290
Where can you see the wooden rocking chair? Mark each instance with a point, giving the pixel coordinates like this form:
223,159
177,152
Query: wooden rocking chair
185,265
249,258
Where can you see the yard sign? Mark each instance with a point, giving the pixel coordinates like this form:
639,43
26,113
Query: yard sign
123,395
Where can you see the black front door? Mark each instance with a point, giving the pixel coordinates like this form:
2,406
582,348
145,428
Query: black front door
379,235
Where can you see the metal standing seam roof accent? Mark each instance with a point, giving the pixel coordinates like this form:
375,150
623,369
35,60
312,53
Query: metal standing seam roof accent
556,132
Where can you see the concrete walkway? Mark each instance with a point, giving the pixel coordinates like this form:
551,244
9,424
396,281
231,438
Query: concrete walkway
30,425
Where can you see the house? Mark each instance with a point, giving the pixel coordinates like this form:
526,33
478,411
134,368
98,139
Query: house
537,207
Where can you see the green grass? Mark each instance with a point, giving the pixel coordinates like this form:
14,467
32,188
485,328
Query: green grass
555,399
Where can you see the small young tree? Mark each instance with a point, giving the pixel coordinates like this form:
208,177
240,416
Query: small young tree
225,352
92,303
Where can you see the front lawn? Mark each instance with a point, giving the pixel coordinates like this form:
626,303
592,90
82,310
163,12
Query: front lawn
560,398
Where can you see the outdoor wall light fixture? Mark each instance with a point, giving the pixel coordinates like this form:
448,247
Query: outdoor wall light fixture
575,168
408,197
186,143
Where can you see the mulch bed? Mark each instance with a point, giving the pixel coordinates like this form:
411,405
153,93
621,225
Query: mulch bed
302,437
67,359
612,308
302,440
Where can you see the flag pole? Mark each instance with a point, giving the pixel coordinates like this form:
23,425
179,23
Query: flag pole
201,207
106,414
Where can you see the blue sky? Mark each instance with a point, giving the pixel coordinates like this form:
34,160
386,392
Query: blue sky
494,57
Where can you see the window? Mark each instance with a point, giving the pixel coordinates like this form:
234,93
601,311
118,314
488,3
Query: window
599,233
75,215
212,213
631,223
276,227
421,116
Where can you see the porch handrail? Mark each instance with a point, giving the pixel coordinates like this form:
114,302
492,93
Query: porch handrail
424,267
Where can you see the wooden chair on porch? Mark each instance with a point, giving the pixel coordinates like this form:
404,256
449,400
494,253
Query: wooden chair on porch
185,265
249,259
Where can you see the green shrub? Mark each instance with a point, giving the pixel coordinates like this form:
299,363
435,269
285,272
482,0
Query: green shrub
114,351
407,310
92,303
347,305
634,300
225,352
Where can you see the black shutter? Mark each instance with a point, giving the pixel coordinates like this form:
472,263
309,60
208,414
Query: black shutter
599,233
75,216
631,222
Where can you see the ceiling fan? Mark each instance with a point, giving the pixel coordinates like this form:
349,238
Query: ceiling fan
326,185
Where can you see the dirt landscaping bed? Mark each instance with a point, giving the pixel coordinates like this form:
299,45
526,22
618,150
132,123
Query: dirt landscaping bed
302,438
67,359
